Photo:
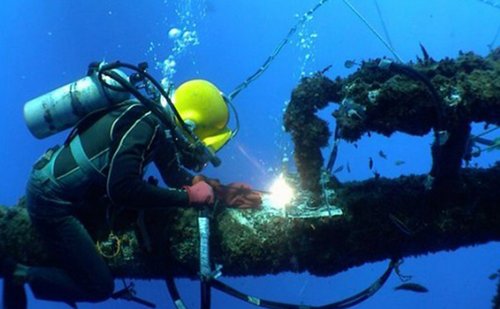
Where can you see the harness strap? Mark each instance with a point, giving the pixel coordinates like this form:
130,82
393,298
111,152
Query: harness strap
51,157
84,162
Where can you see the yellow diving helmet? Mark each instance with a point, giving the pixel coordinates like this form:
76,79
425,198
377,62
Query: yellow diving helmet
203,108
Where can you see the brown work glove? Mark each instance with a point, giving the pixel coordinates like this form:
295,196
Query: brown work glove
238,195
214,183
200,193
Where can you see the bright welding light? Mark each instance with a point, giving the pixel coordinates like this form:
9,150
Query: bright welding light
281,193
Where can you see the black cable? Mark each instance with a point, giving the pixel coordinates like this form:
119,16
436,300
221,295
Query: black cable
174,292
345,303
207,281
106,69
206,295
439,129
416,75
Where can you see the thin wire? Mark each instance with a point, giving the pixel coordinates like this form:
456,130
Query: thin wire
487,131
381,39
276,51
492,44
379,12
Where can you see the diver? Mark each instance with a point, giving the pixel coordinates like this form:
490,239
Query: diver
106,156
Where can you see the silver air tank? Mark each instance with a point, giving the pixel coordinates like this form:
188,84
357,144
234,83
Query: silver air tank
63,107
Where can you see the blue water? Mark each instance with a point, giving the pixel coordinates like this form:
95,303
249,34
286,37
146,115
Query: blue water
45,44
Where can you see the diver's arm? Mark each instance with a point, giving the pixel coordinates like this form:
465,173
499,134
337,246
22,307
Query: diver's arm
125,185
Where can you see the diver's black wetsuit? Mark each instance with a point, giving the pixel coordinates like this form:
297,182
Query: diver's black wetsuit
119,144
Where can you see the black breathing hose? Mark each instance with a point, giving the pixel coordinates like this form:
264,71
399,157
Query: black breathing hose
107,70
416,75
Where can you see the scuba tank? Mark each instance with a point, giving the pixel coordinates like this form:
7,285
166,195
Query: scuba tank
104,86
65,106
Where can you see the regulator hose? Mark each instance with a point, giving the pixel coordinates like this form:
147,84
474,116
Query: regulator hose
157,109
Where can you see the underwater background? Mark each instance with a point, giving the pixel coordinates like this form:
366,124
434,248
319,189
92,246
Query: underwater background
46,44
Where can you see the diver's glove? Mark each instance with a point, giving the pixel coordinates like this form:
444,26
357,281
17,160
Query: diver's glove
200,193
238,195
214,183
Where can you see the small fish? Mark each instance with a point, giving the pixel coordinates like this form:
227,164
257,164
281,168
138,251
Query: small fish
399,162
338,169
494,276
414,287
370,163
382,154
349,64
401,225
